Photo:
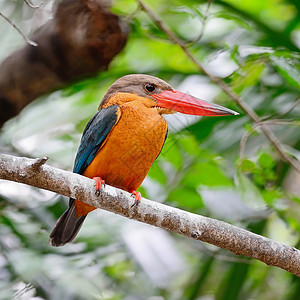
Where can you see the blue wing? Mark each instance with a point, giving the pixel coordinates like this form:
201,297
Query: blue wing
94,135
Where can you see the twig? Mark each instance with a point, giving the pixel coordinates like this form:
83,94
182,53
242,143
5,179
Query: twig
26,39
33,167
245,138
218,233
293,106
34,6
282,122
38,163
203,22
247,109
273,122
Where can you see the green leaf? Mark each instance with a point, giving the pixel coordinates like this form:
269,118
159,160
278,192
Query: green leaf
288,68
266,160
203,129
249,192
248,76
295,198
143,192
172,153
119,271
189,144
186,198
207,174
157,173
271,196
247,166
237,19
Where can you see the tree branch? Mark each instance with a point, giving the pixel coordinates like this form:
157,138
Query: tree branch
243,105
239,241
33,6
25,38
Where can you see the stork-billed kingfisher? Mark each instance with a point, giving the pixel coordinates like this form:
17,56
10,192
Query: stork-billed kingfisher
122,140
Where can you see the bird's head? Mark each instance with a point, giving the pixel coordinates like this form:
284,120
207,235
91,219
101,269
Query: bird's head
158,94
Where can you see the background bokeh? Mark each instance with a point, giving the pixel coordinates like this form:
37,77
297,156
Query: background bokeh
253,46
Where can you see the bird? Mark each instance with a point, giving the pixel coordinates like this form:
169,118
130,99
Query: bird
122,140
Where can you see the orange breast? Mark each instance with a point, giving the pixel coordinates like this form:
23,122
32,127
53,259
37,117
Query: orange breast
131,147
129,150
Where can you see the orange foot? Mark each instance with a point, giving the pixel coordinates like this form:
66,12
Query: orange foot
137,197
99,183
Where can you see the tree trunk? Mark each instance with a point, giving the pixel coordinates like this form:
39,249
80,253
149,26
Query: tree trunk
81,40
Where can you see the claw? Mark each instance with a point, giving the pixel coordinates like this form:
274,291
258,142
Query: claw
137,197
99,183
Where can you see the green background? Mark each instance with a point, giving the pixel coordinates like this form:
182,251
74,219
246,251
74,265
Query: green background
254,47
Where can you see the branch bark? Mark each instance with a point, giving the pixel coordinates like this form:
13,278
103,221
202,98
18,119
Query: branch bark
81,40
239,241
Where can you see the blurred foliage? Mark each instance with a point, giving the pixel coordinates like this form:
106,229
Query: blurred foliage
254,46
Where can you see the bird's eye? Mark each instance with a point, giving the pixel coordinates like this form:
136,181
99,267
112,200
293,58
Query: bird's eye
150,87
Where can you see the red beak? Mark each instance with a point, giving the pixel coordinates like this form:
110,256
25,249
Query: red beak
190,105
